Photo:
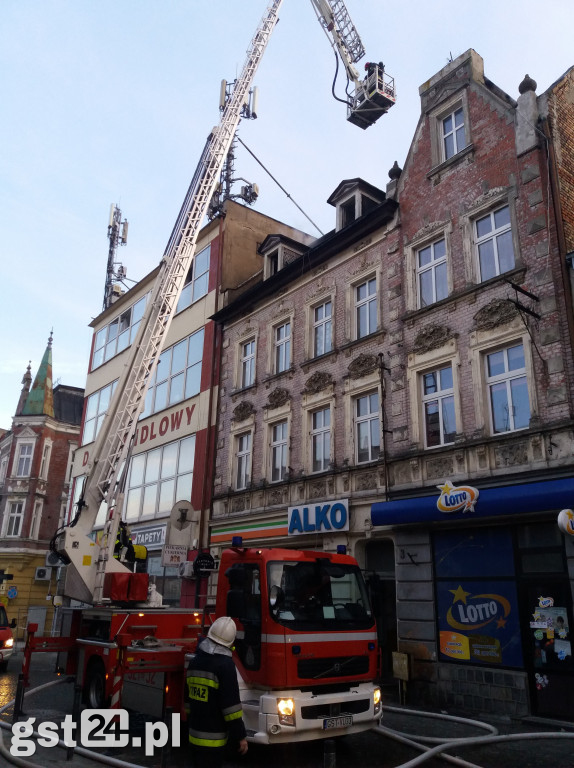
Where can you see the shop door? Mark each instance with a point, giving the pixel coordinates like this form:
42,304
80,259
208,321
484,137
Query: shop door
380,578
546,618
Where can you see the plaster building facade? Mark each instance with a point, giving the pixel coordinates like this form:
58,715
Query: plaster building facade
172,456
404,386
35,463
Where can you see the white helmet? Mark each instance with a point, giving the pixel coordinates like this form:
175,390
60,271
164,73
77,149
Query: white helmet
223,631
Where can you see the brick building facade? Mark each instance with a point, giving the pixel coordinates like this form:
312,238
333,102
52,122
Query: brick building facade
404,386
35,461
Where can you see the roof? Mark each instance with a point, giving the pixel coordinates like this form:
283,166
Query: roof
68,404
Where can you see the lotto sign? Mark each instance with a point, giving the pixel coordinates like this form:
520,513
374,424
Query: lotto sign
566,521
460,498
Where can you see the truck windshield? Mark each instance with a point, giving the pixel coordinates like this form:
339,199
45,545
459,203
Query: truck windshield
318,594
3,617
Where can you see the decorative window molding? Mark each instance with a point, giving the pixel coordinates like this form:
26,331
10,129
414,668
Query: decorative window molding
281,347
243,454
46,455
426,275
13,519
449,139
485,208
25,454
432,359
489,341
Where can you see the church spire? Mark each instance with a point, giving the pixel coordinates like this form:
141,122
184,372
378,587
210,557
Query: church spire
40,399
26,383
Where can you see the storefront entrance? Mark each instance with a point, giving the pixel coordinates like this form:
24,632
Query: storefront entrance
380,578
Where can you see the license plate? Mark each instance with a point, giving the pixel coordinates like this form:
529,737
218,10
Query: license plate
337,722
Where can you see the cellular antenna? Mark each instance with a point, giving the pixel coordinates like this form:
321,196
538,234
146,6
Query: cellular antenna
117,235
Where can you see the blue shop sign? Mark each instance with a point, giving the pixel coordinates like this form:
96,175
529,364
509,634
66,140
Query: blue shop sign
319,517
491,502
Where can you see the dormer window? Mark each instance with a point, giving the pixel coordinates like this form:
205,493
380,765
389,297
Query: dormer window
354,198
278,251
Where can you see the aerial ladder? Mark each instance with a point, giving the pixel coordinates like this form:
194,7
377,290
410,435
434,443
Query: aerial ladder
88,562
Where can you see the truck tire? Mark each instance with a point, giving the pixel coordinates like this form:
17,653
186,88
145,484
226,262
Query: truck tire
3,666
94,691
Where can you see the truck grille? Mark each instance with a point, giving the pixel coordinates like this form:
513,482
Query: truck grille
339,666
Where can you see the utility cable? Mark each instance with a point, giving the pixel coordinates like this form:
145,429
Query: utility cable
279,185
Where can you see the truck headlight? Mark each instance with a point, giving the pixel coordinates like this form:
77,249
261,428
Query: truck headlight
286,711
9,643
377,700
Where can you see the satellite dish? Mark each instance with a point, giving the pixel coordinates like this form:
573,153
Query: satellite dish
182,515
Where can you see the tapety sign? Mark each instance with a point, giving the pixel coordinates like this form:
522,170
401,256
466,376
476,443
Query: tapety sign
321,517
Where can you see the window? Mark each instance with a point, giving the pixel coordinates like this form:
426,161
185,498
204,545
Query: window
24,466
508,389
45,463
278,451
367,426
366,308
159,478
3,468
36,519
322,329
119,334
494,243
432,278
247,376
321,439
177,376
96,408
243,477
282,347
453,137
14,519
438,405
197,281
348,212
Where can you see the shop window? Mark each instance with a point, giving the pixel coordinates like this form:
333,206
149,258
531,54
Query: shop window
159,478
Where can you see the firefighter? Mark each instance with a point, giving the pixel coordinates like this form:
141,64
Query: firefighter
212,702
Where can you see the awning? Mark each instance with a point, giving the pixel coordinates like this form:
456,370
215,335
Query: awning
492,502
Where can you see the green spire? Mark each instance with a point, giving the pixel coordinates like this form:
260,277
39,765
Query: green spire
40,400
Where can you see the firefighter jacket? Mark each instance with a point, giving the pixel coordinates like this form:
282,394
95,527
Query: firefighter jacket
212,702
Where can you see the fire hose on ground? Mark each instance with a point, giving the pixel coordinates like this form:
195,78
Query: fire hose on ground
414,741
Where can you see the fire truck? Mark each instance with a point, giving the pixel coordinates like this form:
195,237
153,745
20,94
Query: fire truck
306,648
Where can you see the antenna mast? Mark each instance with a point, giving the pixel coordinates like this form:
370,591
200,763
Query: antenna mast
117,235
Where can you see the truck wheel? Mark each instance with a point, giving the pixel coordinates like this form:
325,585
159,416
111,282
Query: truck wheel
94,693
3,666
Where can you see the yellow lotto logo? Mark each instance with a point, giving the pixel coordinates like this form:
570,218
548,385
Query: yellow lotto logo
460,498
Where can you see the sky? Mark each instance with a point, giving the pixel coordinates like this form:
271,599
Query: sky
110,101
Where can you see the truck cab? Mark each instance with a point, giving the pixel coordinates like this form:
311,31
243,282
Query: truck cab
306,647
6,638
